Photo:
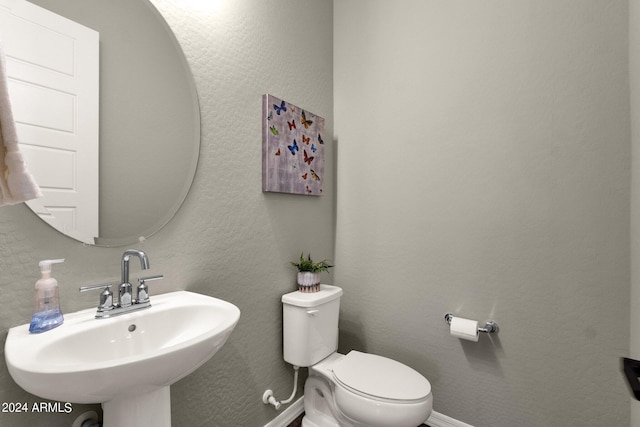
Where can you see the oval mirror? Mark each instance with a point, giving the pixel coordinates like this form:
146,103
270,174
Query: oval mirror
149,124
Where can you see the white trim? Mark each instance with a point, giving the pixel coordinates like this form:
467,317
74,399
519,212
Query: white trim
292,412
440,420
288,415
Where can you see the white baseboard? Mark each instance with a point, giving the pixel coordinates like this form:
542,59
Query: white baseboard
288,415
292,412
440,420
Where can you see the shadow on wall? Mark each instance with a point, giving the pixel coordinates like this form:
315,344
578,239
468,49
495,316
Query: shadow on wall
483,355
351,335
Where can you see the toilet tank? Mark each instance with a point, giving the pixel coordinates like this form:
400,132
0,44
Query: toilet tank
310,325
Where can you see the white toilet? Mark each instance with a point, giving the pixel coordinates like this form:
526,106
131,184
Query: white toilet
353,390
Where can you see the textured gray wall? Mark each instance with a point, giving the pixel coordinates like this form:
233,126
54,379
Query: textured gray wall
634,81
483,168
229,240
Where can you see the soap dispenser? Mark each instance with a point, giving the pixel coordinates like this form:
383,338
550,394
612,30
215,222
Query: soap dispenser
46,309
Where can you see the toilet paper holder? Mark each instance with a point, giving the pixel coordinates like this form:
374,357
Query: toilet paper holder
490,327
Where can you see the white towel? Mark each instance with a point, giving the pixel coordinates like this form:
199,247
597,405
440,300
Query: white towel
16,183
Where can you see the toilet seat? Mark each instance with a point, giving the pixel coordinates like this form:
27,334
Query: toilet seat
380,378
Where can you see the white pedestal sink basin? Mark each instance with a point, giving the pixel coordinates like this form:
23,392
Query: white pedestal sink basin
127,362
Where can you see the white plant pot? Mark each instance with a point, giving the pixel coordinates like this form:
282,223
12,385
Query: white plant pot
308,282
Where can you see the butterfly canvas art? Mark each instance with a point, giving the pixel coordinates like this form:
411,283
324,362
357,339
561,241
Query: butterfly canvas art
298,133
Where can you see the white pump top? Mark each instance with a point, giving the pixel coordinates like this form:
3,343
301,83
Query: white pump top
45,265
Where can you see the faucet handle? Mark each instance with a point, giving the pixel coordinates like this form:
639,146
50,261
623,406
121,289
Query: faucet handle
106,296
142,292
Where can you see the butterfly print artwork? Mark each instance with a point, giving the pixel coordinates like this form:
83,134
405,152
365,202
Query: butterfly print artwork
306,123
308,159
293,148
281,108
302,172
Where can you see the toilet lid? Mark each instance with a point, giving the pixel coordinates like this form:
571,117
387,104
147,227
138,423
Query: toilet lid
380,377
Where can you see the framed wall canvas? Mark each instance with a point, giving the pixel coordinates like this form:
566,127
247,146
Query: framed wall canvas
292,148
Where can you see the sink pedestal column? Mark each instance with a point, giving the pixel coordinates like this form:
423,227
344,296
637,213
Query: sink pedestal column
134,410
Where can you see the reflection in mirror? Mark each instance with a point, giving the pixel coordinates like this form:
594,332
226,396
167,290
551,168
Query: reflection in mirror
149,123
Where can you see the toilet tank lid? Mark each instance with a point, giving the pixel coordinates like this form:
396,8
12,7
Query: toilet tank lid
312,299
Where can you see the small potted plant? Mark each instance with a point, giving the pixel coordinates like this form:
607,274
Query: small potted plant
309,273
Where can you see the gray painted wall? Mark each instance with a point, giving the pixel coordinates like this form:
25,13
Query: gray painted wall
229,239
634,81
483,161
483,168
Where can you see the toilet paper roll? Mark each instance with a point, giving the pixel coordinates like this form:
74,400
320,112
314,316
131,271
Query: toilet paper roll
465,329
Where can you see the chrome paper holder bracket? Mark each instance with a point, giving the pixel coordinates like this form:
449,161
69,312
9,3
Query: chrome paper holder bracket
490,327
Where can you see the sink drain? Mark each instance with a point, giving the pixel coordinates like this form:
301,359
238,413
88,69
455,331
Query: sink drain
132,328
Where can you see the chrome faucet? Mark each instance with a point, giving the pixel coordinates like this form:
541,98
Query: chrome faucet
126,303
125,291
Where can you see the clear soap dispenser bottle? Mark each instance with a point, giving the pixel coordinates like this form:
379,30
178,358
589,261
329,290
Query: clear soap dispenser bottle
46,308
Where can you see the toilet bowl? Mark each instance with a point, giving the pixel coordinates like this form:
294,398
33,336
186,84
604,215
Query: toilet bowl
353,390
362,389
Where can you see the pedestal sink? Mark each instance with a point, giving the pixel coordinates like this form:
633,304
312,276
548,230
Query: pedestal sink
128,362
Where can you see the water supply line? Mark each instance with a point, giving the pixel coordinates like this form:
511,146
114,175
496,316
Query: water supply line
269,399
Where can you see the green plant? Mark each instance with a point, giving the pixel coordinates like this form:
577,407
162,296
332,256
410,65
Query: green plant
307,264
